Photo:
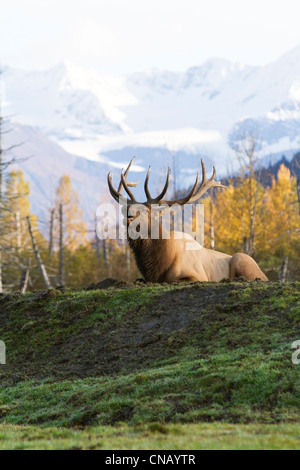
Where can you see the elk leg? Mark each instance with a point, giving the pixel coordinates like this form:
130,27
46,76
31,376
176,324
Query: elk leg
242,265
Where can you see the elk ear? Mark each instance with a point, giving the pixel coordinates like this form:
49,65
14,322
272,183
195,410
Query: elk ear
124,211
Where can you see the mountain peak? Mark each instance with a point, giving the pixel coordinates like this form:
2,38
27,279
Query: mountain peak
68,70
293,55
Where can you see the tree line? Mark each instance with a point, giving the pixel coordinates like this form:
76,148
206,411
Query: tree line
258,214
63,250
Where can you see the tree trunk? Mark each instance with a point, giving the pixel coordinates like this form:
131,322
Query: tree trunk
19,234
51,232
174,174
38,256
1,175
1,285
109,259
298,192
24,280
284,269
251,238
104,247
212,224
97,246
1,154
252,223
128,262
246,245
61,247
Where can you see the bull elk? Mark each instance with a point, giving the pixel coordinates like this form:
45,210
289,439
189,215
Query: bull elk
169,260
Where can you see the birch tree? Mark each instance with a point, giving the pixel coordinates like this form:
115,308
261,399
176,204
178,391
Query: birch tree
246,148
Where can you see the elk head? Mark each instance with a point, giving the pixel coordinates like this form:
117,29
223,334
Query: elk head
158,203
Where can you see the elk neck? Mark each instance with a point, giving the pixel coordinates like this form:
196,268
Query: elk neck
152,258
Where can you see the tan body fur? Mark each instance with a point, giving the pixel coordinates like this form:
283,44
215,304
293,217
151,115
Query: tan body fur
174,260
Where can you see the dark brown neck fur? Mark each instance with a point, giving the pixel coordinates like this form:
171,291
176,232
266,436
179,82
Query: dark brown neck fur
149,259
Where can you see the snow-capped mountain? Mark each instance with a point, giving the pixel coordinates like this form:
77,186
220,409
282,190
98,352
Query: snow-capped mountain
161,115
66,100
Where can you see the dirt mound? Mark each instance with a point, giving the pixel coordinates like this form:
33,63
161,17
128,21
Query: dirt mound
115,328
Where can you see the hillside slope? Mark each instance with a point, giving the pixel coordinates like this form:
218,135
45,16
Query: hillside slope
141,354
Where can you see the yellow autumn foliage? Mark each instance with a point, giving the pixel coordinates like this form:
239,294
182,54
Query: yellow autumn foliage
276,217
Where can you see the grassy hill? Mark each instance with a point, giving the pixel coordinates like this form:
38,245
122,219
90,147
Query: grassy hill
139,365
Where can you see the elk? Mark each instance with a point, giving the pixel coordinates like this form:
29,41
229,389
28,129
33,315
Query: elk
168,260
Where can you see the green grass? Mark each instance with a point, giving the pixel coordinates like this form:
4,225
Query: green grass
213,436
182,366
183,392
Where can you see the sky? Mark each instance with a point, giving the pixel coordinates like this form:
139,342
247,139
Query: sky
123,36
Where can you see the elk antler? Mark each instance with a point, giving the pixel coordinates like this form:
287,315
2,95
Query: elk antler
193,196
206,184
117,195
